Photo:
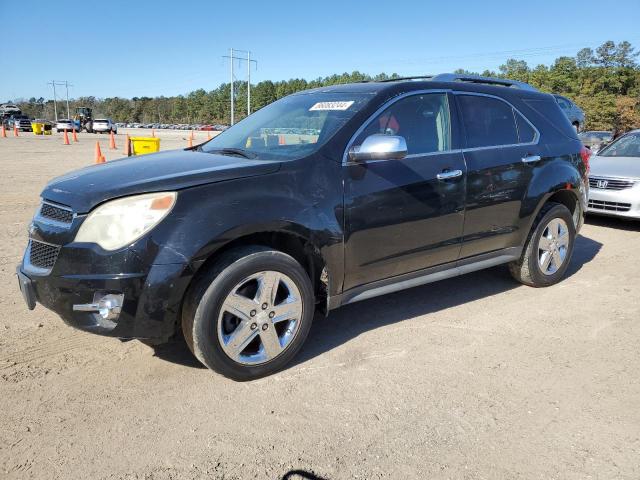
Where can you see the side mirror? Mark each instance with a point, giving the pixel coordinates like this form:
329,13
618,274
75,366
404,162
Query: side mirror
380,147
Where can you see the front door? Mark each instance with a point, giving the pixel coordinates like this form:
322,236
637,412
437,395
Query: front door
405,215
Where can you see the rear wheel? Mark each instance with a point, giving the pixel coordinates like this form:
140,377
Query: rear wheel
548,250
250,314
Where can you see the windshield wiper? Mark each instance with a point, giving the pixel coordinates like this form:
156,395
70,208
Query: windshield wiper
239,152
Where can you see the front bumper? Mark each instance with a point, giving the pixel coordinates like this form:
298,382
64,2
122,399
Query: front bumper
616,203
152,294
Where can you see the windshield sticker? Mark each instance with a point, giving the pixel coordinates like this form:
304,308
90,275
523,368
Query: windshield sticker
331,106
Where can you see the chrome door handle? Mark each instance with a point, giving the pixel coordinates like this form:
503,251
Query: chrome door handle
449,174
531,158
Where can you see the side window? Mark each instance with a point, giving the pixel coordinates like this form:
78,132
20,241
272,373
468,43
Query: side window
423,121
526,133
488,121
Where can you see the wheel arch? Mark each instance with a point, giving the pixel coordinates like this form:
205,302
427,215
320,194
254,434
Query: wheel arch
560,182
294,240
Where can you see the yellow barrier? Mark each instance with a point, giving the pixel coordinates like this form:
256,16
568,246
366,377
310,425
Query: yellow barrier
144,145
40,128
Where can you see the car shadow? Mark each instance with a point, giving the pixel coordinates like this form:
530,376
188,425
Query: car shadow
614,222
176,351
350,321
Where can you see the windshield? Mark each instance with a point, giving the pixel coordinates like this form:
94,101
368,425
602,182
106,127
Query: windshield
626,146
293,127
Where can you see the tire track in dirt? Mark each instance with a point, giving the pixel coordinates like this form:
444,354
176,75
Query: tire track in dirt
48,349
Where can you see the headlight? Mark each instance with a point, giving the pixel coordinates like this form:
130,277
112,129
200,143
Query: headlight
121,222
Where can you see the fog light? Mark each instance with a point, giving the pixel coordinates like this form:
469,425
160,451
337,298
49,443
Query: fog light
107,306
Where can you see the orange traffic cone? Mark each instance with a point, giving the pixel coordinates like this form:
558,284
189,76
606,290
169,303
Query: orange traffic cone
98,156
4,131
66,137
74,135
281,140
15,130
127,146
112,142
208,135
190,144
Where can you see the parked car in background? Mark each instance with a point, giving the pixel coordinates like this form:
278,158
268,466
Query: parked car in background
594,140
380,186
572,111
104,125
614,179
64,124
22,122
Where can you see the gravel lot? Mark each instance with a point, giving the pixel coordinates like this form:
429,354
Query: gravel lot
475,378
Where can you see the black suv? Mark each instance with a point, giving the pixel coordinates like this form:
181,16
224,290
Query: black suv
323,198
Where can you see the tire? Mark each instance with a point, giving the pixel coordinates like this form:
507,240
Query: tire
532,268
209,327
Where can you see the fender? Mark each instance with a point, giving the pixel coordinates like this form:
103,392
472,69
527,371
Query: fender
550,176
207,218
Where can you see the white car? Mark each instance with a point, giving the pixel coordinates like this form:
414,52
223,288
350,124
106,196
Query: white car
64,124
614,179
104,125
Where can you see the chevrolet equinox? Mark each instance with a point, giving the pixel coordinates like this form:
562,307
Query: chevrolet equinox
323,198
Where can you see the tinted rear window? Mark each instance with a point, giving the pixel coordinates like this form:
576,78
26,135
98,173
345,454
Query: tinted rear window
487,121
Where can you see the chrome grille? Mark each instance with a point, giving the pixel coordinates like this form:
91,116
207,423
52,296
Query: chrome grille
610,183
43,255
609,206
58,214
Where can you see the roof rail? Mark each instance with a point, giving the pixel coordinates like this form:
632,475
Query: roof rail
401,79
454,77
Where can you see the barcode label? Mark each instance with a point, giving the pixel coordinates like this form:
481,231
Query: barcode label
331,106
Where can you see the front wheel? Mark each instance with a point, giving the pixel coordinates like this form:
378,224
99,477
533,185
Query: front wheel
548,250
249,315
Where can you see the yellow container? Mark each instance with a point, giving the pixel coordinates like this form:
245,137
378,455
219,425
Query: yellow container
38,128
143,145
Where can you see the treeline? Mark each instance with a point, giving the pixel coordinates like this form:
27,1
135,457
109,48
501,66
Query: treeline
605,82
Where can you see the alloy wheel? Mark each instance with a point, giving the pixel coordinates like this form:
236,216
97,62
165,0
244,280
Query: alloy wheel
260,317
553,246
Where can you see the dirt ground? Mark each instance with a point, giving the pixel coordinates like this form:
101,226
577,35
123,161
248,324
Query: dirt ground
470,378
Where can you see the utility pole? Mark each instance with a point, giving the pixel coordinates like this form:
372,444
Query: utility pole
248,83
55,108
240,59
232,94
66,84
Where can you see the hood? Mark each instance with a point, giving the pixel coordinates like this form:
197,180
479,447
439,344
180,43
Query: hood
172,170
615,166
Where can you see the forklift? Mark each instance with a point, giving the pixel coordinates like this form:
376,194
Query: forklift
83,119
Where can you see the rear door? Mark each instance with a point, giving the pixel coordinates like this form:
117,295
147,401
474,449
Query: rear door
400,216
501,149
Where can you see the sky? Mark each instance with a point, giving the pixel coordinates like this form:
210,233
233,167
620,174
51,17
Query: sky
152,48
